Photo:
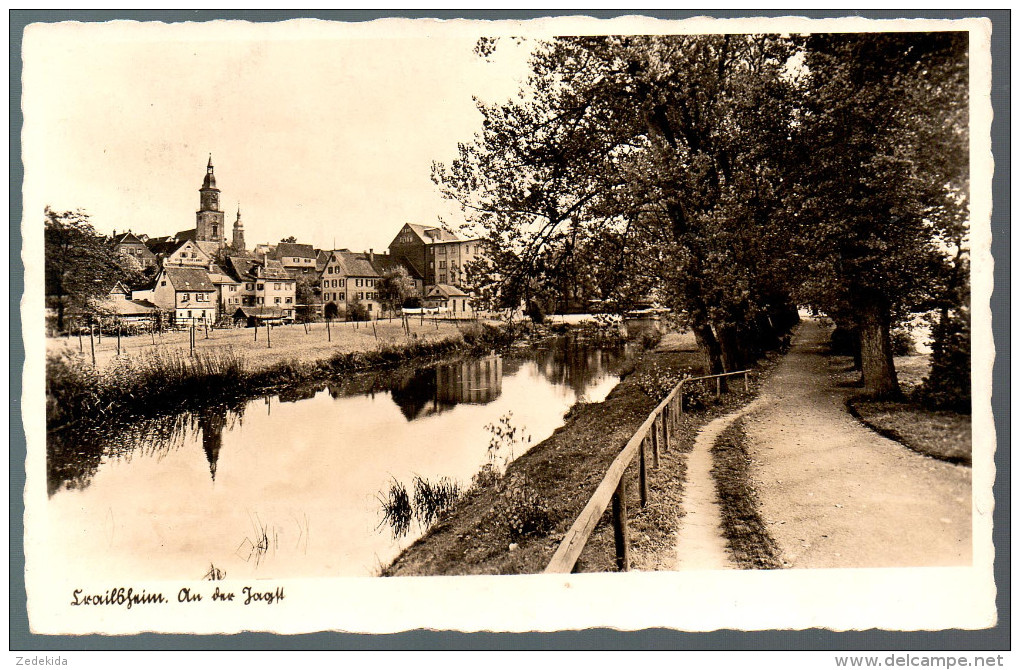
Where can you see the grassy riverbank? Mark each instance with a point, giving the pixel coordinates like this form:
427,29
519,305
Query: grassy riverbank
554,480
169,377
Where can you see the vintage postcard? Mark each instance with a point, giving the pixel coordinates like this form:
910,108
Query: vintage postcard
508,325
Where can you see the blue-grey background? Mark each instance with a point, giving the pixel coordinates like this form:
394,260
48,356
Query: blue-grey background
992,639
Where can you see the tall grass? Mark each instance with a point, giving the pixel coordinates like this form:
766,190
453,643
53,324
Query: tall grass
78,392
431,500
75,391
397,509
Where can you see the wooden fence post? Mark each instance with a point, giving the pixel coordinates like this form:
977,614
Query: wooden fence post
118,339
269,336
643,472
329,335
207,330
655,445
620,531
81,345
747,384
256,330
667,429
374,332
92,344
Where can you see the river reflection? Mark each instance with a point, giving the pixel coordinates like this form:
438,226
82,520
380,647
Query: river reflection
166,497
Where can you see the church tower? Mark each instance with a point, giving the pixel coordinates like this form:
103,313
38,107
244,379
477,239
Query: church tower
209,218
238,243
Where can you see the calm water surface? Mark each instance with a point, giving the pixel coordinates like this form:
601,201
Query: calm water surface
289,485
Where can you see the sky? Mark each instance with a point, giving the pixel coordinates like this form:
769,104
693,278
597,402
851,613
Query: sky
322,131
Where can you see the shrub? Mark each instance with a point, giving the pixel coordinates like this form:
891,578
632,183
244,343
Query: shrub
650,339
357,311
488,475
902,342
657,381
522,509
698,396
535,312
947,386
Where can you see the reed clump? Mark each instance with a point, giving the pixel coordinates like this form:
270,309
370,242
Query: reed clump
430,501
76,391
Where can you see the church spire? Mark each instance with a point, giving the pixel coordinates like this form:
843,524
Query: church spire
209,184
209,218
238,241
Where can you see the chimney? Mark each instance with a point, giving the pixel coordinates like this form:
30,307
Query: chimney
371,255
114,233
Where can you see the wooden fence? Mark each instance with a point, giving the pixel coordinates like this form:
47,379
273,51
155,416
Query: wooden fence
658,429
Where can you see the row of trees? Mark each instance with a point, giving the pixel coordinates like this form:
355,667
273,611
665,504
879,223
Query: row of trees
734,177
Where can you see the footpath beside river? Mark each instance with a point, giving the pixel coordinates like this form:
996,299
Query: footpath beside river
560,474
834,493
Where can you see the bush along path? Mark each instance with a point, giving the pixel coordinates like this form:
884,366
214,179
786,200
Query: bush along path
834,493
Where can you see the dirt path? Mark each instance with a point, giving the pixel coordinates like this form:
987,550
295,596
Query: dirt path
700,543
836,494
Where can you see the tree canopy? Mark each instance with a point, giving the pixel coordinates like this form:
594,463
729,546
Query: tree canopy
80,267
729,177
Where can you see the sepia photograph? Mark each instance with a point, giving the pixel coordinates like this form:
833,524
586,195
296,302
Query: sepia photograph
329,325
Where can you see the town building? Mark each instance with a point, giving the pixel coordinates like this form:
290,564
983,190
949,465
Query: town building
297,259
184,291
228,291
131,245
438,255
181,253
122,304
450,299
262,283
349,278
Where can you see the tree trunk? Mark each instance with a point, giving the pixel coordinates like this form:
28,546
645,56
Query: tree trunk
878,372
729,342
710,345
855,347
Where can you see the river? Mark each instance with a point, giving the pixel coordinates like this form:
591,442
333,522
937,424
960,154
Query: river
290,485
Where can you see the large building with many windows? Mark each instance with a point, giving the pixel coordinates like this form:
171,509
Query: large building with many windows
438,255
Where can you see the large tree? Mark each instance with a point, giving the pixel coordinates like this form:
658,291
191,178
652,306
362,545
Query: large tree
879,204
80,267
648,161
394,286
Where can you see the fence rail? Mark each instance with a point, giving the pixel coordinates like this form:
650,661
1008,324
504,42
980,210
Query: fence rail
658,429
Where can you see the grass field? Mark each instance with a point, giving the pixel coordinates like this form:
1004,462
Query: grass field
284,343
